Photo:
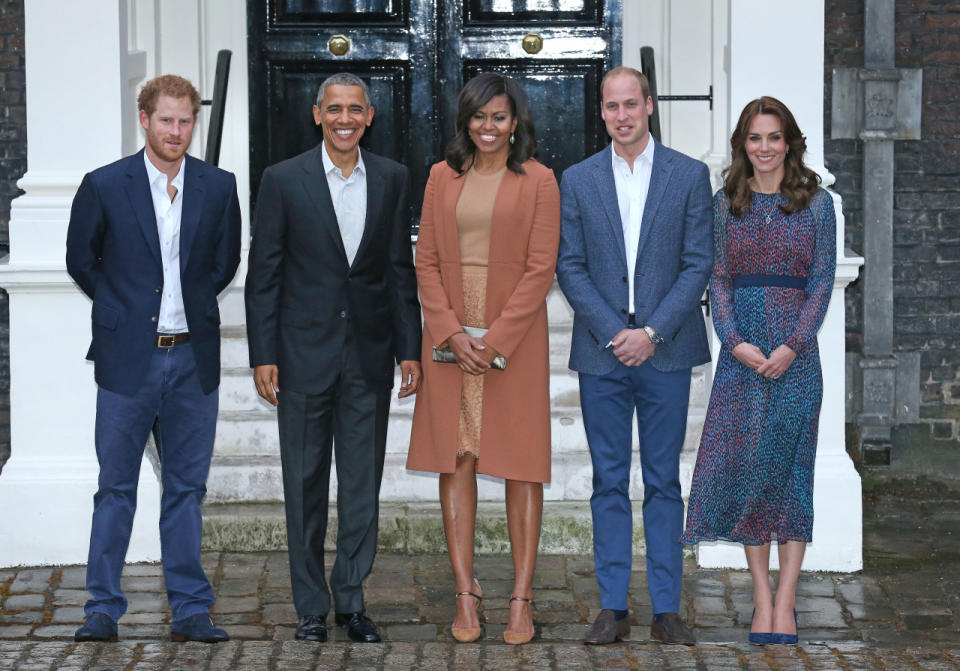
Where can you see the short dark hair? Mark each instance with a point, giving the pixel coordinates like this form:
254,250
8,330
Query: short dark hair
475,94
173,86
624,70
343,79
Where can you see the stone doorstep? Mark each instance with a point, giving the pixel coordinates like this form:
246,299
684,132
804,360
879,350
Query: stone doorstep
407,528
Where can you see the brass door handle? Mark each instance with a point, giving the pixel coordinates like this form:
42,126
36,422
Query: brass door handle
338,45
532,43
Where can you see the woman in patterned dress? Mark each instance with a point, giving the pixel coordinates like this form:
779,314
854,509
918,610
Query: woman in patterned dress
486,255
775,257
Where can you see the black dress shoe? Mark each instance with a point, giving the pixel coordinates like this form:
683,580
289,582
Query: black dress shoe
97,627
670,629
360,628
197,627
312,628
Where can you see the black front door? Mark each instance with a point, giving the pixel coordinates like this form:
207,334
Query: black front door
415,55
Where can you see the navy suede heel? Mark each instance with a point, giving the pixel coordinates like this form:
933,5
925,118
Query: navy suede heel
787,639
758,638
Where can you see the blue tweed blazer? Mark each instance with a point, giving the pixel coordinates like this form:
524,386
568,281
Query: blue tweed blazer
674,260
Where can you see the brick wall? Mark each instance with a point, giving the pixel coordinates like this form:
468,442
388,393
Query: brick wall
926,206
13,163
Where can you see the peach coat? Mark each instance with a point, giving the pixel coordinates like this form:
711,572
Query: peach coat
524,236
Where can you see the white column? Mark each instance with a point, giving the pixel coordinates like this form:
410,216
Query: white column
75,103
757,67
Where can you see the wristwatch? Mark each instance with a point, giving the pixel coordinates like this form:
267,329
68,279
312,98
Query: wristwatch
655,337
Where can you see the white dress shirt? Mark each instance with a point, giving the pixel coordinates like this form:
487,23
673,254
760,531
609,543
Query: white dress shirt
632,187
349,196
173,318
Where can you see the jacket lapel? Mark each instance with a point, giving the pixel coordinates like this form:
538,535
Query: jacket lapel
607,191
448,239
659,178
315,184
138,191
374,204
193,193
446,227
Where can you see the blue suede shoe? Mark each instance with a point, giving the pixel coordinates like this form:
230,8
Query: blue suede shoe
197,628
787,639
97,627
758,638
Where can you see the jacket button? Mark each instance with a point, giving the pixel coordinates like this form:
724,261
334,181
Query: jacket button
153,319
158,289
623,279
623,311
343,314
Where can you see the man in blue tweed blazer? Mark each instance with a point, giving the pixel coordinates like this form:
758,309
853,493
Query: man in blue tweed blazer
636,251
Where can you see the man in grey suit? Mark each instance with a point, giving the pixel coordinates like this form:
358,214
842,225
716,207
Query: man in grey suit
331,299
636,251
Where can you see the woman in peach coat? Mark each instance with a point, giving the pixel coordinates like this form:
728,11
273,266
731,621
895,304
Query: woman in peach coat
485,258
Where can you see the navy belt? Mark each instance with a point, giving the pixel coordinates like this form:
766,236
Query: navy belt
786,281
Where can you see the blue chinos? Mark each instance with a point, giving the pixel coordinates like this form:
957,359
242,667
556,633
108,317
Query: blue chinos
608,402
170,394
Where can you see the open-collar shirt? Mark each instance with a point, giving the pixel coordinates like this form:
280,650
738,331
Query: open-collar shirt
349,196
173,317
632,187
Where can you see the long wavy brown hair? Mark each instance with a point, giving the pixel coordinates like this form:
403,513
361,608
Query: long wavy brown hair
799,182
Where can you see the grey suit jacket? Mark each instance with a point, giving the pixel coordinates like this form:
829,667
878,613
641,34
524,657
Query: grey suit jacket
674,260
303,299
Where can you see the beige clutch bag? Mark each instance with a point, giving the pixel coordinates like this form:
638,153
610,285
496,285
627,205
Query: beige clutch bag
445,355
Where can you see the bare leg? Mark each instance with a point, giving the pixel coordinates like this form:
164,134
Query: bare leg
524,514
791,556
758,559
458,501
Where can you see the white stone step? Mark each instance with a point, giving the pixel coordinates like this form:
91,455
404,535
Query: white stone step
239,478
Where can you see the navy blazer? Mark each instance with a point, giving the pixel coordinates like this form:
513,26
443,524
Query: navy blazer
113,254
674,260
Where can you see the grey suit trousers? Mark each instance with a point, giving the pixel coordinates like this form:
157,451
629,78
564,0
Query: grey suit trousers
349,417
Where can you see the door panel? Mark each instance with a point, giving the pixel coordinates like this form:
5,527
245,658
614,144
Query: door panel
527,10
415,56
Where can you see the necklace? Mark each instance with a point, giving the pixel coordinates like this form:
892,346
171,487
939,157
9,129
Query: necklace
764,209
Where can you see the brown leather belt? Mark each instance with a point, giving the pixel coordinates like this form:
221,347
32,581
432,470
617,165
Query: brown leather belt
168,340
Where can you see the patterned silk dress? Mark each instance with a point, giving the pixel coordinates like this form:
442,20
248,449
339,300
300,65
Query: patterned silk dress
772,279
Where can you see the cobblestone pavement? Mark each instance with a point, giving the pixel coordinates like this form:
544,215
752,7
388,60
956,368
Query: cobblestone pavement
901,612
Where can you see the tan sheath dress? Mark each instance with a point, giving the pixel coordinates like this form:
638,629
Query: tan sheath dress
474,215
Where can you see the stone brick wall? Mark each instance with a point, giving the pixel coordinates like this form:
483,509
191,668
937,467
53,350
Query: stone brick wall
927,206
13,163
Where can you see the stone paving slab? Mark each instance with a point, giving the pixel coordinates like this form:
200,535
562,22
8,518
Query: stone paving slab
282,655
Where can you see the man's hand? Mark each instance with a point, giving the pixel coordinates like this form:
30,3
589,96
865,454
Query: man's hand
632,346
266,377
778,363
410,376
749,355
468,351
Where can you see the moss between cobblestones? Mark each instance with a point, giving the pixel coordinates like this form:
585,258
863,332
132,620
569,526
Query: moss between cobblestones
404,528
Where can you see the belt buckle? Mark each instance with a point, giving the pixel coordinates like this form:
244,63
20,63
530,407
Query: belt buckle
166,341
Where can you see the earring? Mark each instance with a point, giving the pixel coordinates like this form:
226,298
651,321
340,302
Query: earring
512,138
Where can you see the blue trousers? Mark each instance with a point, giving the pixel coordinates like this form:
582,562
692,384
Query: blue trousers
608,402
186,421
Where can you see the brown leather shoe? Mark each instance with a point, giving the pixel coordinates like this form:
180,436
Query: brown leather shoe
670,629
607,629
